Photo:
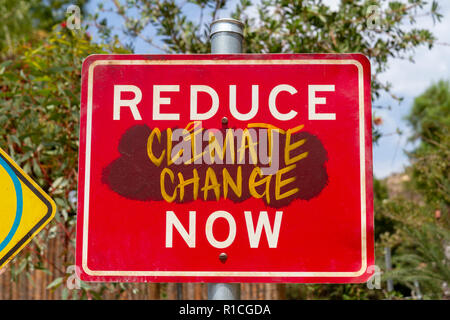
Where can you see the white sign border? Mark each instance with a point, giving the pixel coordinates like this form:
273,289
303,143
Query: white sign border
128,273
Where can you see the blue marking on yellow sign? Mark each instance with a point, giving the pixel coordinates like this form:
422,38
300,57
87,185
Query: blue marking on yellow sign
19,201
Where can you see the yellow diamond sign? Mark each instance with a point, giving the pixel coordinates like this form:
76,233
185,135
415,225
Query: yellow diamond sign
24,209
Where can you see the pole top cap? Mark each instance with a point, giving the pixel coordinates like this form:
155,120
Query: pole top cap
227,25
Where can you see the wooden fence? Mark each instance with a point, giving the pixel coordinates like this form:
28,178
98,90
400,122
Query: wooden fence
32,285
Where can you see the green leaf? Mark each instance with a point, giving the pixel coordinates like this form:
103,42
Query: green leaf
55,283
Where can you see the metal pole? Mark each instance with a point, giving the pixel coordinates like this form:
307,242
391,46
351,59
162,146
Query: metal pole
226,37
224,291
179,291
387,257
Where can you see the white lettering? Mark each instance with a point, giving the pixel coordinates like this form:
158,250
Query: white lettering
132,104
209,229
273,97
255,104
263,222
172,221
158,101
195,89
313,100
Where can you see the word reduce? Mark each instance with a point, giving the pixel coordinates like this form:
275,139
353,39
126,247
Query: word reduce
195,115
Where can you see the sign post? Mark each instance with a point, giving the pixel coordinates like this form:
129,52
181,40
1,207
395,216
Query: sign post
226,37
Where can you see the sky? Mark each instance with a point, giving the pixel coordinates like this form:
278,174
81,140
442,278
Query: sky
408,79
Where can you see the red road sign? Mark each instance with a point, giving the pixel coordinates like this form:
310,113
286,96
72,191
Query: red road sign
225,168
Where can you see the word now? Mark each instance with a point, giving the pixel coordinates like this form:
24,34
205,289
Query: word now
254,234
132,104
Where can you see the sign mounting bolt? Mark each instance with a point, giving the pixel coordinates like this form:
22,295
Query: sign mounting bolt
223,257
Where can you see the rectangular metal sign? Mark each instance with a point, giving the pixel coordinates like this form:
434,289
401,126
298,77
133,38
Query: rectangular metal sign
225,168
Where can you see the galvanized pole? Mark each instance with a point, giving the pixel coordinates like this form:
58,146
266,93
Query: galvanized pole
226,37
387,258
